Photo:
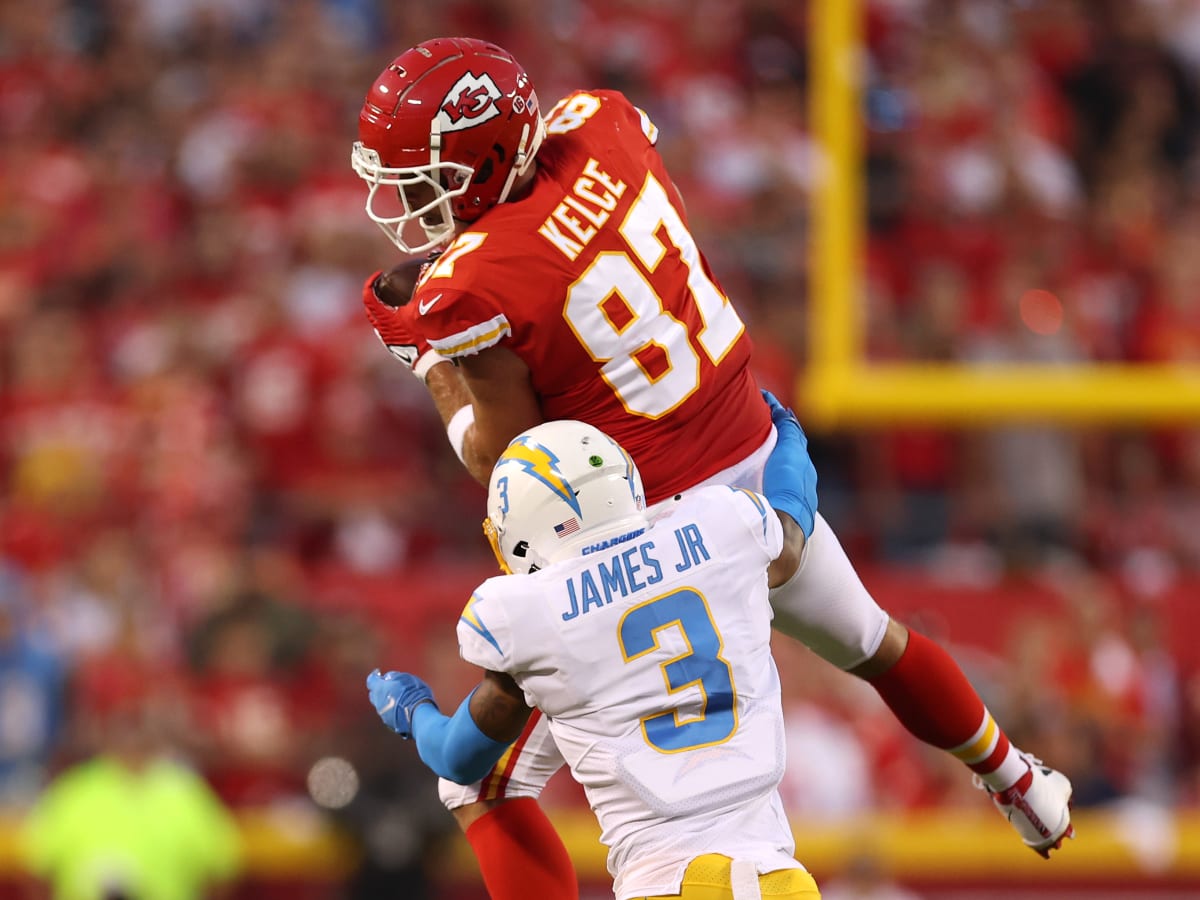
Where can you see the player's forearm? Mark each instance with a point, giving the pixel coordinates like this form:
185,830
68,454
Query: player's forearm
787,563
454,404
453,746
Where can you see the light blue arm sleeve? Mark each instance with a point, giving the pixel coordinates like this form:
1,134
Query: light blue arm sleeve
453,746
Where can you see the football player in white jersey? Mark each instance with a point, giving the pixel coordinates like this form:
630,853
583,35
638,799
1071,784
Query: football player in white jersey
645,641
570,287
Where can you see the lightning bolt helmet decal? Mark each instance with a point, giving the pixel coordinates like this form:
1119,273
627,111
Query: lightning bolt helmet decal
542,464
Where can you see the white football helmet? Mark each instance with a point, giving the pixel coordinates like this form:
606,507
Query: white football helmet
557,488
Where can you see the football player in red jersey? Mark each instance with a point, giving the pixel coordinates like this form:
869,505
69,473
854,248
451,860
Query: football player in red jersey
567,285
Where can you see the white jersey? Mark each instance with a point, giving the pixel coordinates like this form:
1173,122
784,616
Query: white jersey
650,656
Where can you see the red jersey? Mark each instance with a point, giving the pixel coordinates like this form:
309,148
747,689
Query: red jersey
594,280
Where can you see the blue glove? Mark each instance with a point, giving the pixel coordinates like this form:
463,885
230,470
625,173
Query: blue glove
789,477
395,697
779,412
453,746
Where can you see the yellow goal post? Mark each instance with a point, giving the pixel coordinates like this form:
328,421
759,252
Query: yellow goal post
841,388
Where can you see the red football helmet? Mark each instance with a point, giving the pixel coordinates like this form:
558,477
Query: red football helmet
450,124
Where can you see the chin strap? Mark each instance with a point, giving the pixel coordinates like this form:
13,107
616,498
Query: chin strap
524,157
493,538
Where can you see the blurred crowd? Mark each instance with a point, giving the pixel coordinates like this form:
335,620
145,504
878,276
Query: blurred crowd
217,489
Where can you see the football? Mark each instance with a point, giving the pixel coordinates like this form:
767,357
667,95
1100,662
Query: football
394,287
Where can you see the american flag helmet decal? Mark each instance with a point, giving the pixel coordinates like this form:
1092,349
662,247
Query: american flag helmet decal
568,527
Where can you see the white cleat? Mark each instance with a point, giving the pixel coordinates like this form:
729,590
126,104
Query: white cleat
1038,806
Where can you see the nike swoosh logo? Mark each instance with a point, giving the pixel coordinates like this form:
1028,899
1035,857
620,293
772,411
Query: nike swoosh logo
387,707
424,307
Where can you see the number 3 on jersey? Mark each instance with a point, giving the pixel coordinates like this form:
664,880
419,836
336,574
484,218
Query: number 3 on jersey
647,356
702,667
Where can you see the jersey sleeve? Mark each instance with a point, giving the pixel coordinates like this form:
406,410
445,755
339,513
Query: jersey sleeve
759,518
458,323
456,320
484,632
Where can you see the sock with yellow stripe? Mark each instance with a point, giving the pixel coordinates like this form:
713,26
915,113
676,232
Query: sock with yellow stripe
931,697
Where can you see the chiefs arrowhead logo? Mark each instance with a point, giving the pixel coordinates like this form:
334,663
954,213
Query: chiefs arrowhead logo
472,101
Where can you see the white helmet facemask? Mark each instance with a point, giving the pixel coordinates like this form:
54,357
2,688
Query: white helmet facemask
558,488
429,206
422,192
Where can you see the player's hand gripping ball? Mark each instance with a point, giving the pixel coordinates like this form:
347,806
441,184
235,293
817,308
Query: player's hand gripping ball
386,299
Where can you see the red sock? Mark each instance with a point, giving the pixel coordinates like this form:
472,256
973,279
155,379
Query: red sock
521,855
931,697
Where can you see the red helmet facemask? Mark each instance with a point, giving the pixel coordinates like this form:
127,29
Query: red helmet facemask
450,125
